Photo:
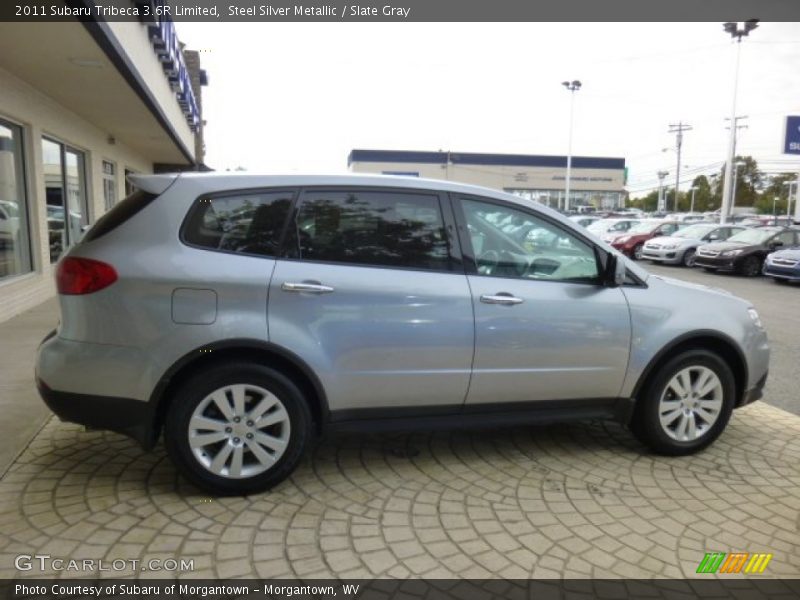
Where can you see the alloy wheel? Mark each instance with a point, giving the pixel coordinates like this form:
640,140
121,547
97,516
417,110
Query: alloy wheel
239,431
688,258
690,403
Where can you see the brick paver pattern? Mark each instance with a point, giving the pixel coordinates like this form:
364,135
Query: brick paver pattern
581,500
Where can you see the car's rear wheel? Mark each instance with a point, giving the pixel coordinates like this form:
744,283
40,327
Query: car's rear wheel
686,404
238,428
750,266
688,258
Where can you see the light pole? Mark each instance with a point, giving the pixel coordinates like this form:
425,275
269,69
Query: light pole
572,87
789,184
694,189
661,202
678,131
735,179
737,33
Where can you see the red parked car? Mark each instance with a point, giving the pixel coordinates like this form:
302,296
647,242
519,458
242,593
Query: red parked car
632,241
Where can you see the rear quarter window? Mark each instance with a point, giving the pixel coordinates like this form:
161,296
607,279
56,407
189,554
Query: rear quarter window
119,214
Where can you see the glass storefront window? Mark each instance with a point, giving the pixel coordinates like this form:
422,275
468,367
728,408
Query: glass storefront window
15,247
65,187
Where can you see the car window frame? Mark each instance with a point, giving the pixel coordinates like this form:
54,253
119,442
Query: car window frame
471,264
455,262
199,200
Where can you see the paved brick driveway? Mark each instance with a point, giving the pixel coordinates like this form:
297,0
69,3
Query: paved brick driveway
572,501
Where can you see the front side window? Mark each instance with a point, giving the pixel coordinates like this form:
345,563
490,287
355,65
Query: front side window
787,237
248,223
15,248
507,242
390,229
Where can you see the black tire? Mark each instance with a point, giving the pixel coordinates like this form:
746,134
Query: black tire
688,258
637,252
750,266
781,281
646,424
179,414
709,269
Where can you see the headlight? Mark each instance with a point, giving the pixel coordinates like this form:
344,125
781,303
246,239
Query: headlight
732,252
669,246
623,239
755,318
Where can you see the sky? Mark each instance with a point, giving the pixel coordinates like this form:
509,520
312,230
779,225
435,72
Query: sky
297,97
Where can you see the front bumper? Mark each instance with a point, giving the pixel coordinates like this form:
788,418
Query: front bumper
672,256
716,262
753,394
787,273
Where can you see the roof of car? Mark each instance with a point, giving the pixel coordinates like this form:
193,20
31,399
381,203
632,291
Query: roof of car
219,181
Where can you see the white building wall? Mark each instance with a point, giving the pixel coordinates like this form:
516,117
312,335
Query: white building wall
39,115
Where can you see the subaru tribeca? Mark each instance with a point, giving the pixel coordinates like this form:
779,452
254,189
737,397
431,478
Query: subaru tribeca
243,315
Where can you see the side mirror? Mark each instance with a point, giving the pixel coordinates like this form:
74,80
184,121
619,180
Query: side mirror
615,271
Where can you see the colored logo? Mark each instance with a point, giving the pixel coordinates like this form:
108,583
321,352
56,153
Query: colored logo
734,562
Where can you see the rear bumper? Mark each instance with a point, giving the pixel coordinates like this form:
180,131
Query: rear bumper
123,415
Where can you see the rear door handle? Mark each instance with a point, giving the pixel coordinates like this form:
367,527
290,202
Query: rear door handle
308,288
501,298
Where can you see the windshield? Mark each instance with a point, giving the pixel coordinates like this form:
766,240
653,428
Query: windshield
752,236
695,232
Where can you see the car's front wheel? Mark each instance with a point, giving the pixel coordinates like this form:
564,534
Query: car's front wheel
688,258
750,266
686,404
637,252
237,428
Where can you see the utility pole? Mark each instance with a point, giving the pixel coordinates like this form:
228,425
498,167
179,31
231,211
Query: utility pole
678,131
661,202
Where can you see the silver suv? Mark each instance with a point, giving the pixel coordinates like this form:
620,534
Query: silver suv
243,315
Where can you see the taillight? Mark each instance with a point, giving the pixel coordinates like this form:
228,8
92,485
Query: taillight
76,276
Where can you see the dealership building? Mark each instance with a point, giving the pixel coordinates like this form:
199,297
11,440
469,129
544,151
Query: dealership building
595,181
82,105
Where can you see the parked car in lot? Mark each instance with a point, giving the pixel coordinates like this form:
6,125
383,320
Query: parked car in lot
783,265
584,220
745,252
632,242
350,304
680,247
611,226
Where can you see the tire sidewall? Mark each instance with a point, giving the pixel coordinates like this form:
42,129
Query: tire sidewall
688,258
199,387
637,252
750,260
646,423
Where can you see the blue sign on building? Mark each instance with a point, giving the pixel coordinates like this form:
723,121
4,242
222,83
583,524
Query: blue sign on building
791,143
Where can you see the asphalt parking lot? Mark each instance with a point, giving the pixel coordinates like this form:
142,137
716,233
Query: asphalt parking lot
574,501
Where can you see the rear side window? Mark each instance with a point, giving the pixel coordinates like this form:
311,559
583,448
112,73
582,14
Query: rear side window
119,214
248,223
390,229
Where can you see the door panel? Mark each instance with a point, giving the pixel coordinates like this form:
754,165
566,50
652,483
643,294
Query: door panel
545,328
382,338
563,341
371,298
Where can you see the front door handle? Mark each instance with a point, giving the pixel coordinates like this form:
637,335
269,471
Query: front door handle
501,298
307,288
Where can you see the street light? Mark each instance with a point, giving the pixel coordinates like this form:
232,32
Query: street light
572,87
737,31
694,189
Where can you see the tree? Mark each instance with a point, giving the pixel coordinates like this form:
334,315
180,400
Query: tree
774,188
749,180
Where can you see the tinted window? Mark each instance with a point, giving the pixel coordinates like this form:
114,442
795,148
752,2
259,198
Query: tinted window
247,223
787,237
115,217
392,229
507,242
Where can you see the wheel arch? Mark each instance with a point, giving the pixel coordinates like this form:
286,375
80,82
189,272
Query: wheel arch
243,349
714,341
